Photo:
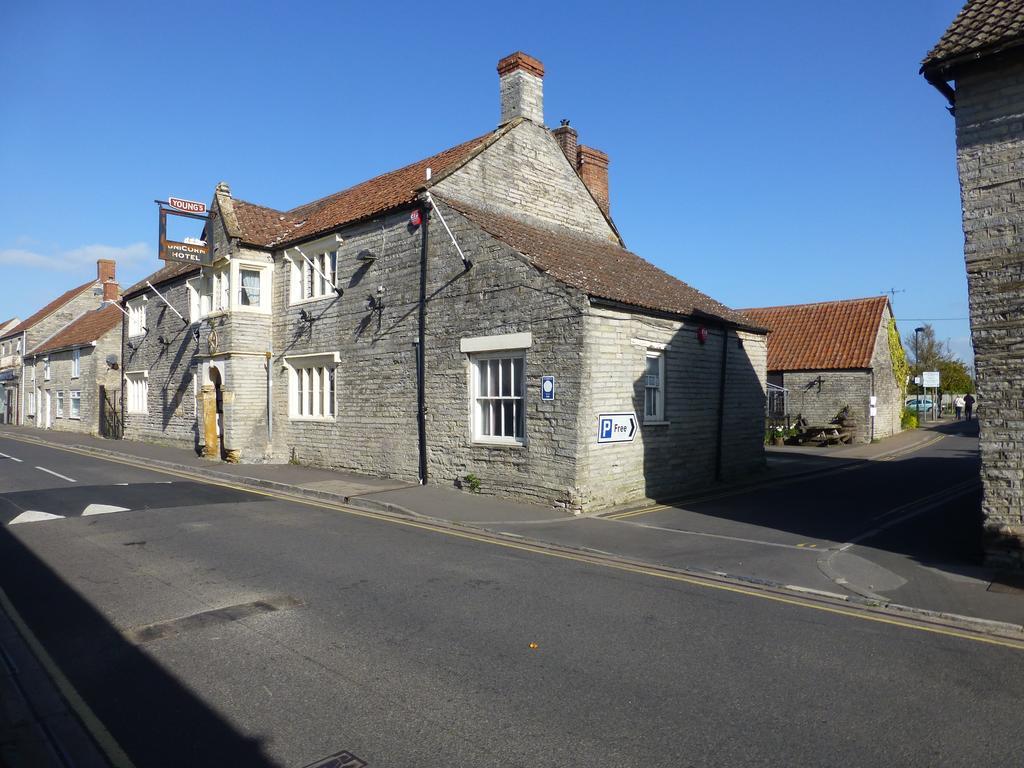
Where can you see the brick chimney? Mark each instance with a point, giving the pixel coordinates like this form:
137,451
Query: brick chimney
567,139
522,88
111,290
592,165
106,269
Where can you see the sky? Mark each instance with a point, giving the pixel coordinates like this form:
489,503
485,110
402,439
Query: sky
765,153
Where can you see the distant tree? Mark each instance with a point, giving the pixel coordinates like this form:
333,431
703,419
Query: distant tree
954,377
927,353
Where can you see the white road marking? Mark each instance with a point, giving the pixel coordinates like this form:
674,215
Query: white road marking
120,483
102,509
58,474
32,516
4,455
685,532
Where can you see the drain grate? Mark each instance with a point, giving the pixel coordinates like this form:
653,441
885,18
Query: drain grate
339,760
161,629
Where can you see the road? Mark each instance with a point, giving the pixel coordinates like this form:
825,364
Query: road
205,625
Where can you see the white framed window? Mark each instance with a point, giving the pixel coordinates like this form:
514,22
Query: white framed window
17,346
137,385
249,287
654,386
76,363
316,277
312,386
499,414
32,372
46,368
137,317
60,403
30,402
75,404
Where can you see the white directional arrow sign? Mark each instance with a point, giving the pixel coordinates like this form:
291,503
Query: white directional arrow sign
32,516
616,427
102,509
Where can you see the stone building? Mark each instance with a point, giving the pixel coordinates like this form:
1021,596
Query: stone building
978,65
74,378
474,314
837,354
32,331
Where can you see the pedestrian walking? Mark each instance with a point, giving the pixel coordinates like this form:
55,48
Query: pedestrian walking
958,406
969,406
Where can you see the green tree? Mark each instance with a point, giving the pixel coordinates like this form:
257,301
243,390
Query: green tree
954,377
928,353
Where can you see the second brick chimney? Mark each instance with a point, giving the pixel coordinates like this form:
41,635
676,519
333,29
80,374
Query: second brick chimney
592,165
567,139
522,88
111,291
106,269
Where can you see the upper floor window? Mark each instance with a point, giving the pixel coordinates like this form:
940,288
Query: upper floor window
654,387
137,317
249,292
76,363
313,278
46,369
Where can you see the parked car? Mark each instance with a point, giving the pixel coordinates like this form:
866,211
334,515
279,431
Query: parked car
919,403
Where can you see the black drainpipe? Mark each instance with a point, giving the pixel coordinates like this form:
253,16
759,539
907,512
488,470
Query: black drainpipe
421,395
721,403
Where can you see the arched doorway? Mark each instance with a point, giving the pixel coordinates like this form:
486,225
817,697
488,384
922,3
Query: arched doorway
218,391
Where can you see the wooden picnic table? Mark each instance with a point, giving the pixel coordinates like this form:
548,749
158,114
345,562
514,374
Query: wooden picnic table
824,434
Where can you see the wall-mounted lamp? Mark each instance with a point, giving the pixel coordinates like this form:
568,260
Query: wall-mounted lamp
702,334
376,302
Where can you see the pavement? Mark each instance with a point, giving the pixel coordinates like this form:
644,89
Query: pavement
207,624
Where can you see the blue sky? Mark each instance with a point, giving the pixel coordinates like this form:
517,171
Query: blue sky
766,153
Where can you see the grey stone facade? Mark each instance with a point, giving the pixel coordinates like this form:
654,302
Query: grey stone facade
369,337
990,148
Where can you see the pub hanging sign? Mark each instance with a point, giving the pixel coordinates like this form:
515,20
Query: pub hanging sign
190,250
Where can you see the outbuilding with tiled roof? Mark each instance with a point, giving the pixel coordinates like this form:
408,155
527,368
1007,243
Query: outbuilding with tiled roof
832,355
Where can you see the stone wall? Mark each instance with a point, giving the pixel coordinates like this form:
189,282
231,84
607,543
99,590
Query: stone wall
668,458
525,174
990,151
819,403
888,394
172,367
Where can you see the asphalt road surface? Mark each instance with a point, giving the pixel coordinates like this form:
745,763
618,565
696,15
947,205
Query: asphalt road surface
208,626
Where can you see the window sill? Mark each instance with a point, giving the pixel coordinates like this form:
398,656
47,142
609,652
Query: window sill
314,419
313,300
75,418
656,423
513,444
138,413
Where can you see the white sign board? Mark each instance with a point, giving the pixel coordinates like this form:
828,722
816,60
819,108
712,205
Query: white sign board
616,427
931,379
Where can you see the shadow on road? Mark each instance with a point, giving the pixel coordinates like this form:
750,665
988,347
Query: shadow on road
155,719
863,504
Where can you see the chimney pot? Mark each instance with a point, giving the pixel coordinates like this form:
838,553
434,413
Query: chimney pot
522,88
592,165
105,270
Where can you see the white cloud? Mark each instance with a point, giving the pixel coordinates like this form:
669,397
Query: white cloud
77,259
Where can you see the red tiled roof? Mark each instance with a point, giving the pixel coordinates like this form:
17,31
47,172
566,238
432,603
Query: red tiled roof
169,271
88,328
50,308
981,26
600,268
270,228
831,335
